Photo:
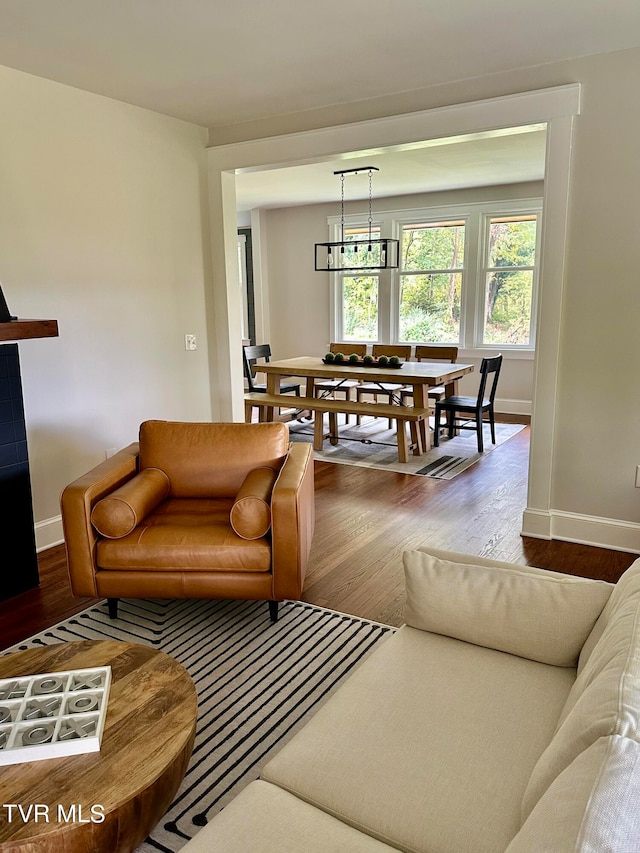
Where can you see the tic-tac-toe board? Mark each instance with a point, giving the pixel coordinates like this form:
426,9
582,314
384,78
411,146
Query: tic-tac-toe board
52,714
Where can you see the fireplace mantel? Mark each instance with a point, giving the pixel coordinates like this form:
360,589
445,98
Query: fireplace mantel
21,330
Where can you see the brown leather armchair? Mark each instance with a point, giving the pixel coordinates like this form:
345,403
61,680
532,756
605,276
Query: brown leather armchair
194,510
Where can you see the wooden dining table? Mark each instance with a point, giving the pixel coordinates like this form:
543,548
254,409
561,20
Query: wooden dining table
419,376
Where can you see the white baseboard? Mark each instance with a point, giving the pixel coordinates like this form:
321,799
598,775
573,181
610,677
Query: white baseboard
608,533
536,524
513,407
49,533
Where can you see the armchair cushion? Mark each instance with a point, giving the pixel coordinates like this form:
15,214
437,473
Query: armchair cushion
541,616
250,514
120,512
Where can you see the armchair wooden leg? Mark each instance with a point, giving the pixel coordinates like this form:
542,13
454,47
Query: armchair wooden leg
273,611
112,604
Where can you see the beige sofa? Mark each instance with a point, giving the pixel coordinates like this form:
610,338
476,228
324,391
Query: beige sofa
502,717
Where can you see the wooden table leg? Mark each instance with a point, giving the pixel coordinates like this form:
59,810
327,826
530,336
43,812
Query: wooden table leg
403,444
318,430
416,438
273,387
421,401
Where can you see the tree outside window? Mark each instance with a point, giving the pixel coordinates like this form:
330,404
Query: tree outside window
360,296
431,281
360,307
509,280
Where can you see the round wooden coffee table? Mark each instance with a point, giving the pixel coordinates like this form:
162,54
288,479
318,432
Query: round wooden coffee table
146,746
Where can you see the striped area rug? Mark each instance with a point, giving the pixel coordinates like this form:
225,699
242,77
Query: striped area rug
257,684
374,445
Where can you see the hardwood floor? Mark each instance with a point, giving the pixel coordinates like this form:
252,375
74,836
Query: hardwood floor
365,519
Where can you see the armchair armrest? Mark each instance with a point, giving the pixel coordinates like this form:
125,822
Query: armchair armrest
292,521
77,502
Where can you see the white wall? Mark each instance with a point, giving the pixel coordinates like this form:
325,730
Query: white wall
598,439
299,296
101,228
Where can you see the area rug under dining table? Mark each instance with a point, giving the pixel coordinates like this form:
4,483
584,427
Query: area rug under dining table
257,683
373,445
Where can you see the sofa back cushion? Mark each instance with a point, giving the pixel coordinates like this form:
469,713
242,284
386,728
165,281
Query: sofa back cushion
605,698
592,805
542,616
210,460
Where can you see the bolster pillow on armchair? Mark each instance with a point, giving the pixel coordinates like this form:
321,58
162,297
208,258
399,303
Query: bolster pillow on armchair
250,514
121,511
524,611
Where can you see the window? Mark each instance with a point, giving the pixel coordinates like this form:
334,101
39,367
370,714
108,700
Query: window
432,262
510,251
359,295
467,276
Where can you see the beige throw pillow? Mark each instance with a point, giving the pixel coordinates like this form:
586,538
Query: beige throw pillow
513,610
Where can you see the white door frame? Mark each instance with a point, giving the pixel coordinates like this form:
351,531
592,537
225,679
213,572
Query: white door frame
556,107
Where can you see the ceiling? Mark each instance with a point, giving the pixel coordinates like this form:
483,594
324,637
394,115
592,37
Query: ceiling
482,159
220,64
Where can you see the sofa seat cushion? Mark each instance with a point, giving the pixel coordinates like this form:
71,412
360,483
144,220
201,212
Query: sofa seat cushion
265,819
429,744
181,535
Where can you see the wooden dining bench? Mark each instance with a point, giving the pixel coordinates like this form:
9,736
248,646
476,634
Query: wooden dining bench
403,415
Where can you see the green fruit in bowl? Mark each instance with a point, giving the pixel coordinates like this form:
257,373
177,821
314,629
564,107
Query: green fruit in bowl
329,357
383,360
354,358
368,359
394,360
339,357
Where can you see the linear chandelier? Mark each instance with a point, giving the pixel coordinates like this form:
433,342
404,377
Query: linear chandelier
354,255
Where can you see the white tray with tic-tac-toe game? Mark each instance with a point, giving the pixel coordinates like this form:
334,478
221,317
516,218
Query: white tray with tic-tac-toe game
52,714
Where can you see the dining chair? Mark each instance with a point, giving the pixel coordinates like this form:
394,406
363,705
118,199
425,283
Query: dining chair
477,406
390,390
429,353
250,356
250,359
330,387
